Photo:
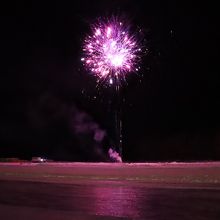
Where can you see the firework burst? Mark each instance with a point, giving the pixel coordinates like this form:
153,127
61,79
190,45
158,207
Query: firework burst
111,51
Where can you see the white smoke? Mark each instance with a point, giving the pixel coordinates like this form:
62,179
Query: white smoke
83,123
114,155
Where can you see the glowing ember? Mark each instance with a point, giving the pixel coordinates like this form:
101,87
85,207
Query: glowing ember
111,51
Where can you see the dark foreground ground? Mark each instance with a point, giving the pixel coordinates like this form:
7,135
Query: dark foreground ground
174,191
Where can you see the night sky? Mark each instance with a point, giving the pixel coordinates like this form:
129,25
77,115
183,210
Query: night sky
51,107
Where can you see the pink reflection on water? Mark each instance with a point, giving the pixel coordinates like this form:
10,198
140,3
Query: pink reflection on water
116,201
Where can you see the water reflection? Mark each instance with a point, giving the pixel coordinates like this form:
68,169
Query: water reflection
116,200
136,202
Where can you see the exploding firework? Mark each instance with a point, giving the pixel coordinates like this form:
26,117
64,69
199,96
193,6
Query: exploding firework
111,51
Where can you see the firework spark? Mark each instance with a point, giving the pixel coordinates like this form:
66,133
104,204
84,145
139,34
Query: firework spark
111,51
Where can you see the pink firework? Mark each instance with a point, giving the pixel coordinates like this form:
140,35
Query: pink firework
111,51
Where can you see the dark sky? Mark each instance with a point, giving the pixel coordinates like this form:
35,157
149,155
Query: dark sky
50,105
